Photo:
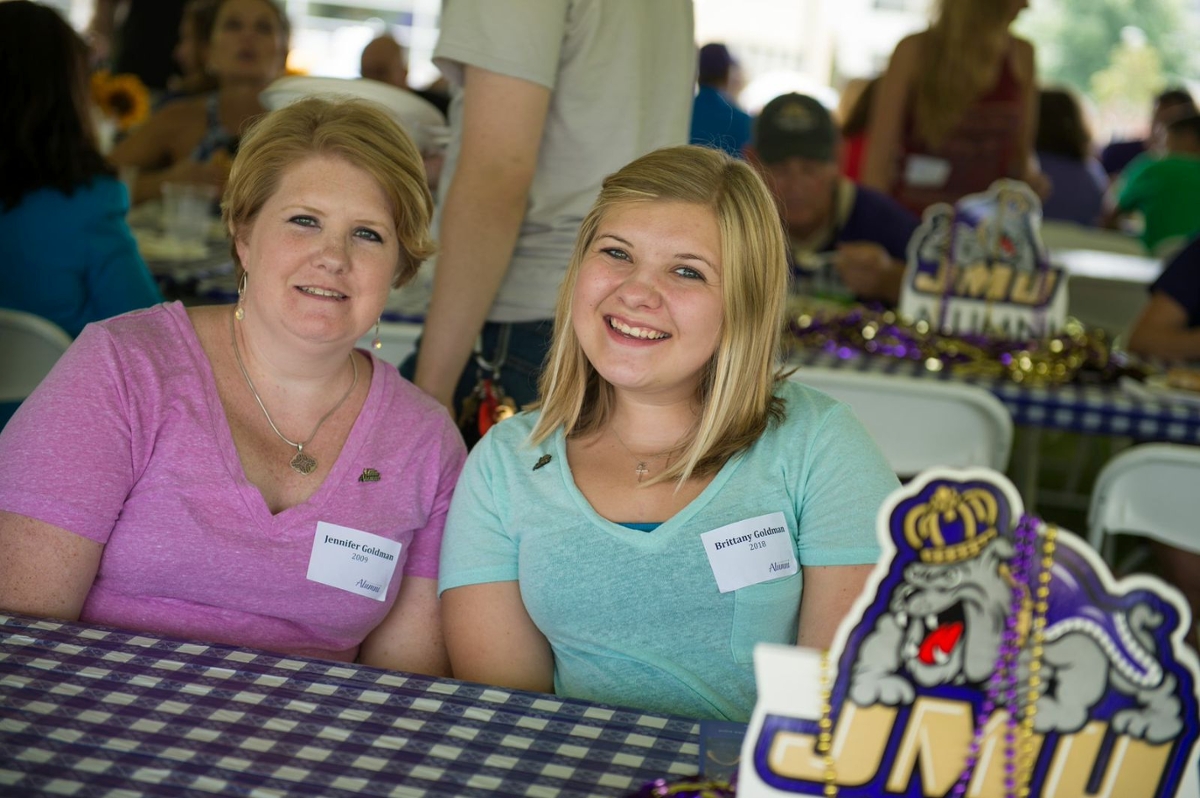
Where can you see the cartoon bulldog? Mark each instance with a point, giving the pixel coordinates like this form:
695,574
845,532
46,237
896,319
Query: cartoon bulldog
946,617
996,226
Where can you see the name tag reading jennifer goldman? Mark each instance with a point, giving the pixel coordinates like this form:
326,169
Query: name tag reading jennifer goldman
352,560
751,551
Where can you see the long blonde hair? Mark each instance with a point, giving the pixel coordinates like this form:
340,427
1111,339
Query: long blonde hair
737,390
957,62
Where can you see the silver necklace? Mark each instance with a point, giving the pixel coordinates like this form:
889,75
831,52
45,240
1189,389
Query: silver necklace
302,463
640,469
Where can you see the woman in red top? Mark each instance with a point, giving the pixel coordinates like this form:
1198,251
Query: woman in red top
956,109
854,130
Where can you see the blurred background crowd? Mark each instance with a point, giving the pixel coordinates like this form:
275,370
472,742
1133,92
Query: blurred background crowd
1103,64
1116,55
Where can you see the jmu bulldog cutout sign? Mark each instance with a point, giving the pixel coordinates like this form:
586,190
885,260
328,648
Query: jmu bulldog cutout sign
990,655
979,266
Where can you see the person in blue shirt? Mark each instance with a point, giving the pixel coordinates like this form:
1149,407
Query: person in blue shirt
845,241
1169,328
66,251
1064,150
1169,324
674,500
717,121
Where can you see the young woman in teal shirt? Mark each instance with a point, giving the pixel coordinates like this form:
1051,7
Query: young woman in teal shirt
674,500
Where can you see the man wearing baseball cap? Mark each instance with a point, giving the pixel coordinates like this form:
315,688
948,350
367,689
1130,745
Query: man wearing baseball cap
846,241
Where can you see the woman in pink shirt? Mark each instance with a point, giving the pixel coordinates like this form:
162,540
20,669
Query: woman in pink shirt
243,474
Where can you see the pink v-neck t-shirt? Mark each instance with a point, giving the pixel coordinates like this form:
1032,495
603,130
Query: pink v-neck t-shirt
126,443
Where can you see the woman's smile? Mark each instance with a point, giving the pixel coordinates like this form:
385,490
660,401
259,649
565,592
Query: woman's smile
629,330
322,293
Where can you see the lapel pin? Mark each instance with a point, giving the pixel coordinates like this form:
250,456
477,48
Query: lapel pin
369,475
541,461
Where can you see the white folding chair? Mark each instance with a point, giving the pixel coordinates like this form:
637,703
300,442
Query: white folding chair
1151,490
29,348
922,423
399,339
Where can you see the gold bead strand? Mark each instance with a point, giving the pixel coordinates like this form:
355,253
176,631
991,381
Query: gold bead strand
1036,640
825,724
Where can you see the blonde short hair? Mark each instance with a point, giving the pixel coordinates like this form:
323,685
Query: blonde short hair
737,392
356,130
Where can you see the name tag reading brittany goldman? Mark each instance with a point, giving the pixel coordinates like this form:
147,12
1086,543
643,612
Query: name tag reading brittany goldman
751,551
352,560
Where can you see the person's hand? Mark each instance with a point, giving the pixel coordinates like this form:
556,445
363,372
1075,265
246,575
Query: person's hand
1040,183
868,271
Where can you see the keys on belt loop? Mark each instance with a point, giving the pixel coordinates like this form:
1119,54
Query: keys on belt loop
487,404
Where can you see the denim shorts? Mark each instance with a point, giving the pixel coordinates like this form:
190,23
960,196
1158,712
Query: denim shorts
528,343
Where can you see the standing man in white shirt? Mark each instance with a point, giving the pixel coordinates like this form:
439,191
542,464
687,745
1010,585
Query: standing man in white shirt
549,97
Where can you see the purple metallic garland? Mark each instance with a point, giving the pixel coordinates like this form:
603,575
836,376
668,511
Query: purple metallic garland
859,331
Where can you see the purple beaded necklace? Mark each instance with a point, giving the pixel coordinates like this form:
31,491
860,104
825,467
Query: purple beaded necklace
1002,687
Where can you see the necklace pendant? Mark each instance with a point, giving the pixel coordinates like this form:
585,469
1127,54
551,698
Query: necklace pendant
641,470
303,463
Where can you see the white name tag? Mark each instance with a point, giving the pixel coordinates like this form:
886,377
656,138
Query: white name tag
352,560
925,171
751,551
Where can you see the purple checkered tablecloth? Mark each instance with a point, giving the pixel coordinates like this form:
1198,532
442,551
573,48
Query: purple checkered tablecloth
87,711
1094,409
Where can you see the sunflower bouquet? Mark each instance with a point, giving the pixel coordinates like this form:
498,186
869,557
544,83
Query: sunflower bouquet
122,98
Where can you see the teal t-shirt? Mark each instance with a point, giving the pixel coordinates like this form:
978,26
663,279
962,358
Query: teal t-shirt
635,618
